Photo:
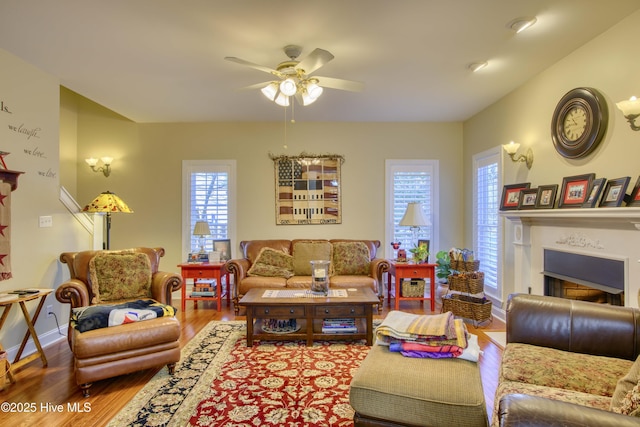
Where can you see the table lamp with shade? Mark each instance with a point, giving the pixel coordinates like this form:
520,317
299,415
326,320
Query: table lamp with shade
107,202
414,218
201,229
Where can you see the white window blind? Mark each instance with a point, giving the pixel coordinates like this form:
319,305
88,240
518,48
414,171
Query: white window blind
209,202
486,219
410,181
209,192
410,187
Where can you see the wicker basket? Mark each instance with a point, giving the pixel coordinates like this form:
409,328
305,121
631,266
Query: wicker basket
476,309
412,288
469,283
465,265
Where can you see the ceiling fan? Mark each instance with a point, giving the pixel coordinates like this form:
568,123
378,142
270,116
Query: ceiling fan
294,77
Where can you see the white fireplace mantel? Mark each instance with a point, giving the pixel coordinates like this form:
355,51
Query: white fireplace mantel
621,217
602,232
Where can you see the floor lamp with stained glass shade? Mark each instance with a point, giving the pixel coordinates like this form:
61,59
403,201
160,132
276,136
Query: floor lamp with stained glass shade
414,218
107,203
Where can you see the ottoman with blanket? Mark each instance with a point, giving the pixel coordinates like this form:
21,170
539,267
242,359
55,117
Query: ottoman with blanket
422,372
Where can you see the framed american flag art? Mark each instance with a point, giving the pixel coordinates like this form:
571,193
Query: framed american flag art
308,189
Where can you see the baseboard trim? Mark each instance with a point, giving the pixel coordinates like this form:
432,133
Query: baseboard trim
46,339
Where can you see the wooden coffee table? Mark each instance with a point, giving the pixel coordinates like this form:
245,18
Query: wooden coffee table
309,313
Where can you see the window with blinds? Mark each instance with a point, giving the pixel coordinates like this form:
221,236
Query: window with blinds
209,202
410,181
209,192
410,187
486,218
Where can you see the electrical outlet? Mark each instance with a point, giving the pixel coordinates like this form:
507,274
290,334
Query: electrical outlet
49,310
45,221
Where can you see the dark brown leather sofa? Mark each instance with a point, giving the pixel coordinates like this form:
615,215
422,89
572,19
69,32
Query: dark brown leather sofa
573,326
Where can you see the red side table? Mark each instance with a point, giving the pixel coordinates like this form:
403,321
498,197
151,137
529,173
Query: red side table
202,271
410,270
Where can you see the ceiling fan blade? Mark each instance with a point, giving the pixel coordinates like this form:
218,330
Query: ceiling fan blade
314,60
252,65
256,86
340,84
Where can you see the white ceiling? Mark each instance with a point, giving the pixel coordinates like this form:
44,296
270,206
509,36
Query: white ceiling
163,60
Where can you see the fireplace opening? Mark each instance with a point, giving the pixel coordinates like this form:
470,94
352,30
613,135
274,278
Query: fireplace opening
569,290
583,277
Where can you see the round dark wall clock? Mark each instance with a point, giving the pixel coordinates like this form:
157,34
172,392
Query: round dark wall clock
579,122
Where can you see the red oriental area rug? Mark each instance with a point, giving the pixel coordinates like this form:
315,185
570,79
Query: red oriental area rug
283,383
221,382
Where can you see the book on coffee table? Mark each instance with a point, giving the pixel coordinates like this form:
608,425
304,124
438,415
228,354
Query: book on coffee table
339,326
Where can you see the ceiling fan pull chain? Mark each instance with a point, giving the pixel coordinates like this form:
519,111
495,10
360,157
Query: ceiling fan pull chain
285,146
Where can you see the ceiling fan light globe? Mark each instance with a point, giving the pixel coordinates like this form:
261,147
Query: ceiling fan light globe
282,100
288,87
270,91
307,99
314,91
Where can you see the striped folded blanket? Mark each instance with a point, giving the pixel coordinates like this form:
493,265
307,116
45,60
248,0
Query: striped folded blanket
437,329
451,348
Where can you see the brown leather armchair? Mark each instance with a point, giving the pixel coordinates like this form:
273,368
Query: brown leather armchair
117,350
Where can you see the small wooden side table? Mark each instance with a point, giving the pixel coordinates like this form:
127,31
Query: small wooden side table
31,332
410,270
202,271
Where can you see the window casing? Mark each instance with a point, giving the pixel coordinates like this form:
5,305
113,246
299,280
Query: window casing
487,231
209,195
410,181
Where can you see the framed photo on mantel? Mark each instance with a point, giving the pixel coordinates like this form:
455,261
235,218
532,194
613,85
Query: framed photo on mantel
546,198
511,196
635,195
615,192
575,190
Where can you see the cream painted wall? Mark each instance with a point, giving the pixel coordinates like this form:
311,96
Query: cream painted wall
30,100
608,64
148,160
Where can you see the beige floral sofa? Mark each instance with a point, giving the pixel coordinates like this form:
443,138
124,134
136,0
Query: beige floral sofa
273,264
569,363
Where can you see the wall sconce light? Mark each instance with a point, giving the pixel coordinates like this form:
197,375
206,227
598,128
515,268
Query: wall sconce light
631,111
106,169
511,149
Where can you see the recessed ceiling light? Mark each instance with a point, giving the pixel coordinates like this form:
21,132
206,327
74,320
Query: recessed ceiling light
520,24
477,66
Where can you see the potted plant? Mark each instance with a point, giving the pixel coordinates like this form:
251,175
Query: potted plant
443,265
420,253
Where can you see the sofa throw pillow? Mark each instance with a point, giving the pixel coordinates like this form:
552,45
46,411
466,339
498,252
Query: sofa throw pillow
120,276
625,384
630,404
306,251
351,258
272,263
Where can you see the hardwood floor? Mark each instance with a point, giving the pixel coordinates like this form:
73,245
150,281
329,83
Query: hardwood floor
49,396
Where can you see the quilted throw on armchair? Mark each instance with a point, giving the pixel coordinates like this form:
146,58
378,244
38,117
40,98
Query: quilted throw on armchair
103,316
